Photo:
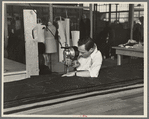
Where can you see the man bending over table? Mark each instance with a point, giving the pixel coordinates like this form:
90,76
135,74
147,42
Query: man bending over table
90,59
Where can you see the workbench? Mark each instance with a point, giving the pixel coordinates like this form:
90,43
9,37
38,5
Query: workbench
133,52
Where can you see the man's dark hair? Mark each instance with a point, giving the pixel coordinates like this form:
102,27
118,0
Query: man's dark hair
88,42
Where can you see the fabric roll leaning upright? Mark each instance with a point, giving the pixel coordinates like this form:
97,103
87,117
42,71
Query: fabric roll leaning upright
62,38
75,37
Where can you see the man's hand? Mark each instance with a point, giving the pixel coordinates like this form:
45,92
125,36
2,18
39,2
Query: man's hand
69,74
75,64
68,62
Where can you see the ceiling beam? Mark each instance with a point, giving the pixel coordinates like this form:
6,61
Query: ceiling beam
45,5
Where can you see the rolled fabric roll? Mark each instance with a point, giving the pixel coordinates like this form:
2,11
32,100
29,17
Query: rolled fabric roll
67,26
62,39
75,37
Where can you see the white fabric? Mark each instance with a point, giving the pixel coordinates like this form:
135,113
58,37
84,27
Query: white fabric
62,38
41,33
67,30
75,37
92,63
50,42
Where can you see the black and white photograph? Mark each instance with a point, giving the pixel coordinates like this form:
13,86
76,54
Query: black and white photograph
74,59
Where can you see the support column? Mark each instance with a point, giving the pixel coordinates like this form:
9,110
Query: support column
51,13
5,31
109,13
131,19
94,25
80,13
91,21
95,21
50,20
116,11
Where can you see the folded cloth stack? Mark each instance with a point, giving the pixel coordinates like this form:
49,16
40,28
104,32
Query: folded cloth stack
132,44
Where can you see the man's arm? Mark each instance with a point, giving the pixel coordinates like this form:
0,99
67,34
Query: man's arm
83,73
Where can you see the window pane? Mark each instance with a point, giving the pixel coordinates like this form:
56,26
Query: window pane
113,15
141,13
103,8
123,7
85,5
106,17
113,7
136,14
123,17
124,14
120,7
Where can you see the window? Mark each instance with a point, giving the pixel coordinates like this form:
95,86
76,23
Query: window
123,7
122,11
103,8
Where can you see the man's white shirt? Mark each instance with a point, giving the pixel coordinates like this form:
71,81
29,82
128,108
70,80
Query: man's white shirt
92,63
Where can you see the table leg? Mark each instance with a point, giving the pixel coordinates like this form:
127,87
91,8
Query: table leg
119,59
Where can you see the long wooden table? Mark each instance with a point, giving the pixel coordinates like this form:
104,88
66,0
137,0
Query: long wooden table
135,52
